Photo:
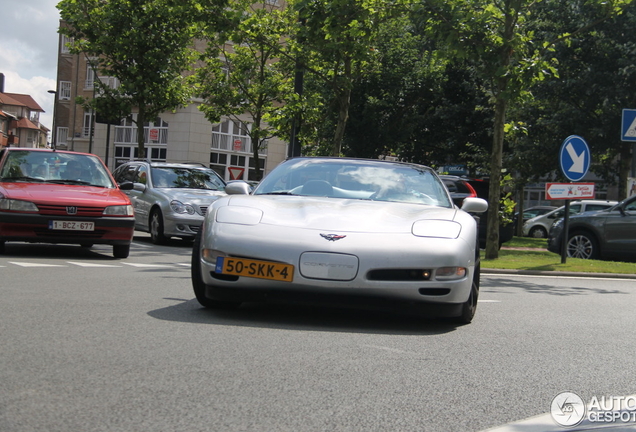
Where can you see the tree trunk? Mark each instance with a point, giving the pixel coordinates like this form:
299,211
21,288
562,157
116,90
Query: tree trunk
344,101
141,120
494,193
624,170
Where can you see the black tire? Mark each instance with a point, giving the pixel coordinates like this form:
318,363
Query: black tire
155,226
197,281
2,247
538,232
470,307
582,245
121,251
87,245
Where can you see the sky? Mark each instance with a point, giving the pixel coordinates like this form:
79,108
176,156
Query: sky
28,51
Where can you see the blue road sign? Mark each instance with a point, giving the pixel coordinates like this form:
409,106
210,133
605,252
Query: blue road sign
628,125
574,158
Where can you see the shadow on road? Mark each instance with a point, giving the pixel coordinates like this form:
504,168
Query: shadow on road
302,317
495,285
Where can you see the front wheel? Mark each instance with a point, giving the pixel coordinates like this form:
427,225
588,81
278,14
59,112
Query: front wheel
156,228
121,251
197,281
582,245
470,307
538,232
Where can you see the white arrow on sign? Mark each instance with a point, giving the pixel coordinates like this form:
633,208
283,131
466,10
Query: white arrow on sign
578,161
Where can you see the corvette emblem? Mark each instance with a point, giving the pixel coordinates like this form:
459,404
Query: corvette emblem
332,237
71,210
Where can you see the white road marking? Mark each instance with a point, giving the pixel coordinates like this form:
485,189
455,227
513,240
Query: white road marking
89,264
147,265
30,264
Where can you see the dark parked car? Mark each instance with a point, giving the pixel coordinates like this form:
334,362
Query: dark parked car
604,234
461,188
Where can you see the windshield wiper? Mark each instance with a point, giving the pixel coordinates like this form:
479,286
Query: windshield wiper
23,178
64,181
277,193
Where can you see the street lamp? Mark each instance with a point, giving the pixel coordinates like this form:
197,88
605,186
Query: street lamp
53,133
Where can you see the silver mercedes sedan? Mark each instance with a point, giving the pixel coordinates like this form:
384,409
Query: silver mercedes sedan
170,199
362,233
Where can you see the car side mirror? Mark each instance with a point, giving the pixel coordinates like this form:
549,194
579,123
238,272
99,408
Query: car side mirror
139,187
126,186
237,188
475,205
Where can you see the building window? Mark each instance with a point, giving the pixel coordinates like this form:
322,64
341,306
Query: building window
64,92
65,42
90,77
86,128
61,136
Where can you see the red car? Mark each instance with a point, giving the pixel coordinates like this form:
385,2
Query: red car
51,196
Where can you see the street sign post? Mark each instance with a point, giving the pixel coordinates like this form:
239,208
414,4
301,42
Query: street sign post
564,191
575,159
628,133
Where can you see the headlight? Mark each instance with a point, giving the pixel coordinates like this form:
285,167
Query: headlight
119,210
17,205
179,207
558,223
239,215
450,273
436,228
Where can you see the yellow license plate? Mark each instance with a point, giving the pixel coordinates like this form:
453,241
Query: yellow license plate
255,269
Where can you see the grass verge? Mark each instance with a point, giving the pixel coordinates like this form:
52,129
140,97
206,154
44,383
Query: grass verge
535,256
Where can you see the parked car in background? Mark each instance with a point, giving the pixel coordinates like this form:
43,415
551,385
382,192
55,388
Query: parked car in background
341,231
52,196
461,188
534,211
603,234
539,226
170,199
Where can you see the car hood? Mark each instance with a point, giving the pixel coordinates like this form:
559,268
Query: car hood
337,214
63,194
192,196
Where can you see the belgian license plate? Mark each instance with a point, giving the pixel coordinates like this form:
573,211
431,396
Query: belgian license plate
72,225
255,269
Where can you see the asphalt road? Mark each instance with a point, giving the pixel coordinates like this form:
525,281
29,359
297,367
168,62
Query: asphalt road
90,343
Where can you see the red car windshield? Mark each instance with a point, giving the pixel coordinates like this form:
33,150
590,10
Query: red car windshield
55,167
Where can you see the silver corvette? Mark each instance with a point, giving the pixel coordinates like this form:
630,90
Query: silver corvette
354,232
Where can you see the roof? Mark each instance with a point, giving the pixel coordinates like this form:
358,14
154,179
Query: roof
20,100
24,123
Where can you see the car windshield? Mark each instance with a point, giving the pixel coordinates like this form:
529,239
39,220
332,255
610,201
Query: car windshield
180,177
55,167
345,178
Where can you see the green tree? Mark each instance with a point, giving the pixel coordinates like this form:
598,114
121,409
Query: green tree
336,42
499,40
147,45
244,76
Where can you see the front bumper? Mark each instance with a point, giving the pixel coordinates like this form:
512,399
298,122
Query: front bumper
178,225
35,228
373,252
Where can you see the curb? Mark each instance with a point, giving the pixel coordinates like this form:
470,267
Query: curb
557,273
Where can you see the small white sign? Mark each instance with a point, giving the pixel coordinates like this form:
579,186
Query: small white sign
559,191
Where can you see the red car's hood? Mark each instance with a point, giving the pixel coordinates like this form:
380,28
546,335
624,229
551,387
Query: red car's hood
47,193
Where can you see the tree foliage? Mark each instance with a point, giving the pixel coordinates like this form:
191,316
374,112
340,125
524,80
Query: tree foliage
145,44
242,75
